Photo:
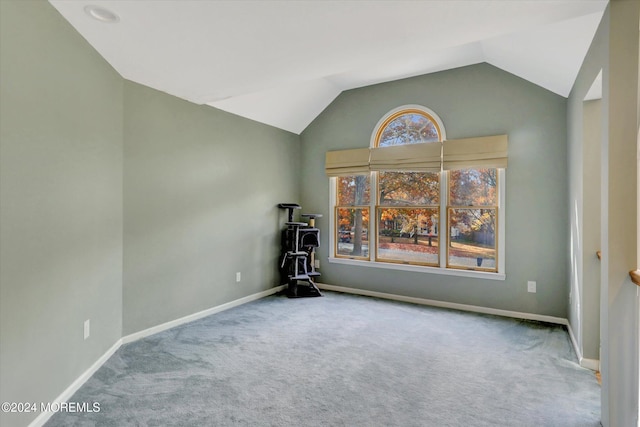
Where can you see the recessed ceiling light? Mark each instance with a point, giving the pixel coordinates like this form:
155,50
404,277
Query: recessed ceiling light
101,14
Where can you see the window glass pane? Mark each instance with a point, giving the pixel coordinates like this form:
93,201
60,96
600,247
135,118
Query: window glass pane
353,190
408,235
472,241
408,188
353,231
409,128
473,187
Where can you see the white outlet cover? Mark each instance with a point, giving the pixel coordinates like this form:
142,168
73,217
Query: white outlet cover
87,328
238,276
531,286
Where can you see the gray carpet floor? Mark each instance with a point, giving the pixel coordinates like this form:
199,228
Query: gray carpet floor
343,360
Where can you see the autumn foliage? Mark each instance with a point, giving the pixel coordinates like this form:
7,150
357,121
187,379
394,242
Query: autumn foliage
408,212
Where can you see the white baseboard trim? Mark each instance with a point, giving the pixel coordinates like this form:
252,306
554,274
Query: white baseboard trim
199,315
444,304
574,341
592,364
66,395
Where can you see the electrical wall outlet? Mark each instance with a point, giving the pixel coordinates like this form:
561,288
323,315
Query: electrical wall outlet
87,328
238,276
316,264
531,286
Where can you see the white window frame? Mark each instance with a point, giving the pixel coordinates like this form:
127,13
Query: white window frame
373,223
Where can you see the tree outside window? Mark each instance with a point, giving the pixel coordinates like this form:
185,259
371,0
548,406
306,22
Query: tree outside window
408,212
352,215
407,205
472,220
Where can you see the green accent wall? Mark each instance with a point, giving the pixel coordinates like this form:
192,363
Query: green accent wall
119,204
201,189
477,100
61,116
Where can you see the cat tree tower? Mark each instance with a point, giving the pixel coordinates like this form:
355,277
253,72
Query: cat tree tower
297,259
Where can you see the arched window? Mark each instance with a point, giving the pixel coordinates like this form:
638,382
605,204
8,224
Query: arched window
392,201
412,124
407,204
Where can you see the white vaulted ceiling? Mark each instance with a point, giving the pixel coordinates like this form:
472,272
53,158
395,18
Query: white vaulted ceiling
283,62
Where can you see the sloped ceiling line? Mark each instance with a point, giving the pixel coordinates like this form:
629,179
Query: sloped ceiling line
282,62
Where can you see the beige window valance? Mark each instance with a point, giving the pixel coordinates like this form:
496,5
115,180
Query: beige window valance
423,157
481,152
347,162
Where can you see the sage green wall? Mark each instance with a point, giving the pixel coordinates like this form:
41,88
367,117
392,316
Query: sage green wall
584,211
584,120
614,50
471,101
200,193
60,205
620,249
590,295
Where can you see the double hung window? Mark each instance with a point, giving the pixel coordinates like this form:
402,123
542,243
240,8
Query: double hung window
472,219
407,214
352,213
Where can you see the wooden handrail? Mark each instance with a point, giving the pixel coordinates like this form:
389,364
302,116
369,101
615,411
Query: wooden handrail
635,276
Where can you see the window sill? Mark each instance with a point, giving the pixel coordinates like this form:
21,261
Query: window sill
419,269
